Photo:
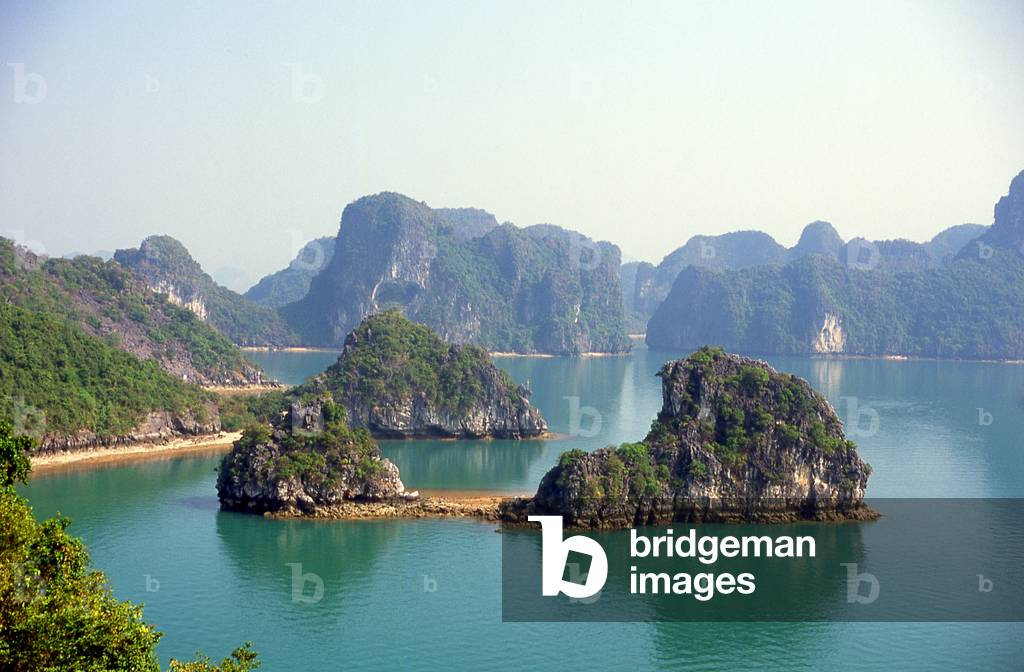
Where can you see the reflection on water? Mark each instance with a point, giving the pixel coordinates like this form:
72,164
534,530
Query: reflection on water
499,466
291,367
827,376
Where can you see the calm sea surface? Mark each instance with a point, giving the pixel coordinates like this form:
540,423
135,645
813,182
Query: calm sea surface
425,595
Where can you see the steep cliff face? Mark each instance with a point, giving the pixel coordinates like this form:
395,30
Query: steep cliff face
1007,229
888,298
831,339
398,379
166,267
540,289
291,284
735,440
109,302
305,464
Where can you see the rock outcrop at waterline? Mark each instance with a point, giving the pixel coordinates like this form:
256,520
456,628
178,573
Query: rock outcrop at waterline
309,462
735,441
397,378
158,427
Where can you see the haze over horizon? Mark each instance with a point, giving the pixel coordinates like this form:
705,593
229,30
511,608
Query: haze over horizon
245,138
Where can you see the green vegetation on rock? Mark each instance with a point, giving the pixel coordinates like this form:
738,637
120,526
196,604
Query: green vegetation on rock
297,466
166,267
735,440
537,289
397,377
387,358
108,302
968,306
80,382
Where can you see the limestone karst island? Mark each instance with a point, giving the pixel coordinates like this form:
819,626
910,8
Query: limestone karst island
649,336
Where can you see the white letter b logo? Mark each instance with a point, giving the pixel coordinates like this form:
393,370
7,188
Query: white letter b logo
555,555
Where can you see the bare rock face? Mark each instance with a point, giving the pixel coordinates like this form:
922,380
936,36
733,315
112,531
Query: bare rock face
1007,229
735,440
496,413
158,427
831,338
166,267
295,468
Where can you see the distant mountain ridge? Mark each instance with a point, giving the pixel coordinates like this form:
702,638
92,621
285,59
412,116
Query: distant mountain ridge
537,289
745,249
895,300
107,301
166,267
291,284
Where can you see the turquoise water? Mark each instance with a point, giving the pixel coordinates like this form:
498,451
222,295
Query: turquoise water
423,595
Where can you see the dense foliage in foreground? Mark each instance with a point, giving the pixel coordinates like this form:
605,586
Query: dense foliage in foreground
56,613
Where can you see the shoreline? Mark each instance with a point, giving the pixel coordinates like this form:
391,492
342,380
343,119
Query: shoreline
548,355
898,358
94,458
543,436
840,356
289,348
635,337
243,390
467,505
134,452
509,509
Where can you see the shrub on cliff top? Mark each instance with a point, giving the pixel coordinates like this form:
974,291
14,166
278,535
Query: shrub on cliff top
388,357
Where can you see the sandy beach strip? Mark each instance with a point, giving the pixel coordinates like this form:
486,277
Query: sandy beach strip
135,452
290,348
243,390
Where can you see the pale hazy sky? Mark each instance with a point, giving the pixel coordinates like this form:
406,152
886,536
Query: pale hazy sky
244,128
